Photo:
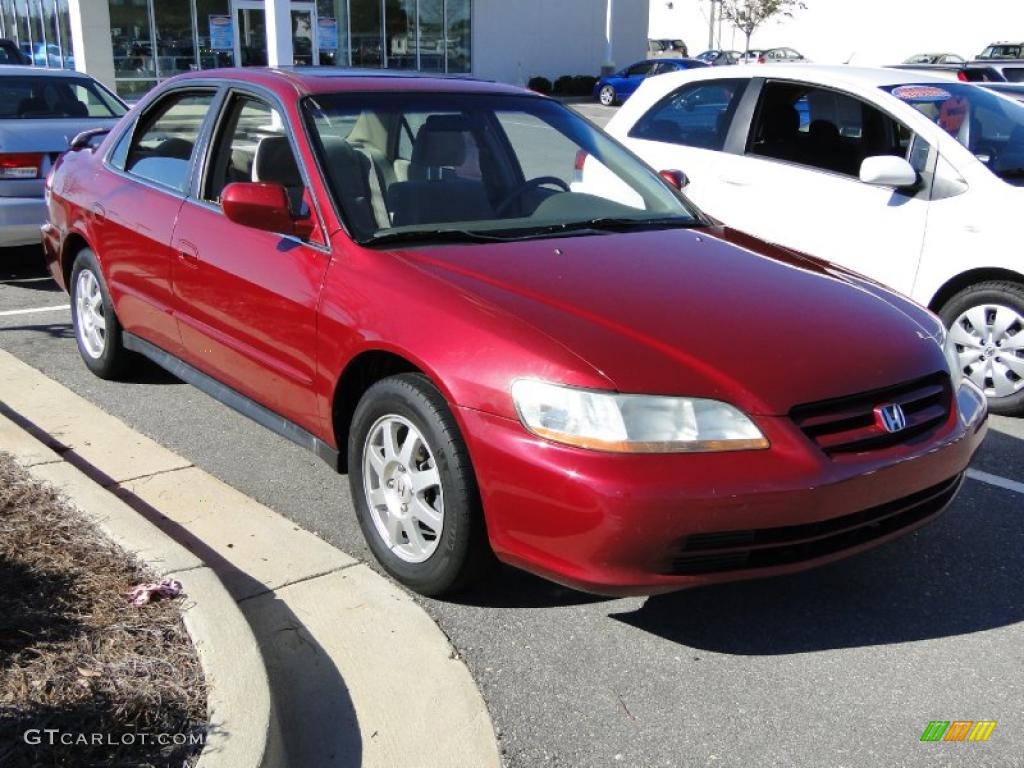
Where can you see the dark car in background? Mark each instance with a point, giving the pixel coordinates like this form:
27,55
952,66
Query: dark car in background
950,59
616,88
11,54
719,58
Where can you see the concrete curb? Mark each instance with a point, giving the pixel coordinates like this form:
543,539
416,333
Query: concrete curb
319,620
240,712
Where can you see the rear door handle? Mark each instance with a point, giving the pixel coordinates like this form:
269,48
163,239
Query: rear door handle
98,212
735,181
188,253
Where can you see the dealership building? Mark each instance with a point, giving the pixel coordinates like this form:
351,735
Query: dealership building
133,44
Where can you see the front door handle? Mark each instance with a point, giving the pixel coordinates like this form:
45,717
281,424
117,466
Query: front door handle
188,253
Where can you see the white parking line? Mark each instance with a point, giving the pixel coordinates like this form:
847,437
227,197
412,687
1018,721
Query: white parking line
996,480
9,312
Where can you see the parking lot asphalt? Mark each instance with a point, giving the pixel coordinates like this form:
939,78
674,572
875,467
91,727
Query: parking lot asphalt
842,666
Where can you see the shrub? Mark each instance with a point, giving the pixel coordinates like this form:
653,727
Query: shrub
540,85
563,85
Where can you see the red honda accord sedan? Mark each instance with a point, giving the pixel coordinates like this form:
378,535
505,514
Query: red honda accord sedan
592,381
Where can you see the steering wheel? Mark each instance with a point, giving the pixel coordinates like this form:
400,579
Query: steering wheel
522,189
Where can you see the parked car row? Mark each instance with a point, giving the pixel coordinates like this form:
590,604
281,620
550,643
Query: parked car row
520,341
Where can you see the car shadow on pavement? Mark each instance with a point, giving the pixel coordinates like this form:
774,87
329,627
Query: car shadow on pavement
961,574
508,587
25,263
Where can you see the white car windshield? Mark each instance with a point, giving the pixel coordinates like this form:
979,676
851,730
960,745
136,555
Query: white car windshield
458,167
989,125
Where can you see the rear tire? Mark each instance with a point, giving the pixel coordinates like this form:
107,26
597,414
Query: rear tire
414,488
97,330
607,96
987,323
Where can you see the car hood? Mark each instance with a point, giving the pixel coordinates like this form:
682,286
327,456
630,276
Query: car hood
45,135
706,313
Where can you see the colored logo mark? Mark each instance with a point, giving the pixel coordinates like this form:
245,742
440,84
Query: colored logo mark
958,730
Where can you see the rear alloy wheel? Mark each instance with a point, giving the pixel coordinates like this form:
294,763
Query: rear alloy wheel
986,322
97,329
606,96
414,488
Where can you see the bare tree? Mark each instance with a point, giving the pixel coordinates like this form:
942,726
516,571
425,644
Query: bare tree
748,15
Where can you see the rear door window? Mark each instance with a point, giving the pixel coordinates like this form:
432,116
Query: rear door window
696,115
822,128
164,144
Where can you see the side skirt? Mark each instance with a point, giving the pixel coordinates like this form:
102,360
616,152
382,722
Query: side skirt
234,399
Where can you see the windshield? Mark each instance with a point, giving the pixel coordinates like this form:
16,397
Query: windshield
989,125
37,96
445,166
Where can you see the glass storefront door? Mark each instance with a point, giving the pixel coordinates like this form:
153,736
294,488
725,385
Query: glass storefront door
250,33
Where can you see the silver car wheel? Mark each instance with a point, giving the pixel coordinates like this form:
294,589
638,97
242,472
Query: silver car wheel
92,325
607,96
989,339
403,488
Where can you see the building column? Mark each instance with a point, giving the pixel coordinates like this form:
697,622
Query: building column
279,33
91,42
609,50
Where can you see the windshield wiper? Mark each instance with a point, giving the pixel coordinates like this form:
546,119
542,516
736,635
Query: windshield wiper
607,224
434,236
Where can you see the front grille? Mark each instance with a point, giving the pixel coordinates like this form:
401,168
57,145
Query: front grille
704,553
849,425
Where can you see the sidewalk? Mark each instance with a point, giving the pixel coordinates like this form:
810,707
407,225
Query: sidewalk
359,674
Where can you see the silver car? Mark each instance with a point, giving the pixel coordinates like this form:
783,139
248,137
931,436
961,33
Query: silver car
41,111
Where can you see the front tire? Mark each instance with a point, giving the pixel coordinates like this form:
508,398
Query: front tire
413,487
97,330
607,96
986,322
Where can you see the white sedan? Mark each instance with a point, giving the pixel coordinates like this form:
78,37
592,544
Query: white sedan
909,179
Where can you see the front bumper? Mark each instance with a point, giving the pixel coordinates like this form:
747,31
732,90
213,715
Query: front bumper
620,524
20,219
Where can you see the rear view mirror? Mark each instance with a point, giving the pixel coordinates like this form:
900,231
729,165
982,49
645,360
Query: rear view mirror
262,205
888,171
676,178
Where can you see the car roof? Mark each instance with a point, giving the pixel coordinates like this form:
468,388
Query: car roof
823,74
13,70
313,80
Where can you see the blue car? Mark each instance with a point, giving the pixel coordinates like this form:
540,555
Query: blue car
614,89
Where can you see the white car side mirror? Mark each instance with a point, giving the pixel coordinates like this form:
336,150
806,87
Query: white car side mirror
888,171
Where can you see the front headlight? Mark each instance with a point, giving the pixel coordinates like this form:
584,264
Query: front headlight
956,370
606,421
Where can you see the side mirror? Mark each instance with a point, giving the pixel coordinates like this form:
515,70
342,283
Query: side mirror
89,139
262,205
888,171
676,179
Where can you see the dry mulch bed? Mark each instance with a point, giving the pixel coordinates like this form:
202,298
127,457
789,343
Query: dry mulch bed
75,656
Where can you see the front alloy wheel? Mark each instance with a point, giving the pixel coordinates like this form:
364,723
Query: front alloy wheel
607,96
986,322
403,489
414,488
